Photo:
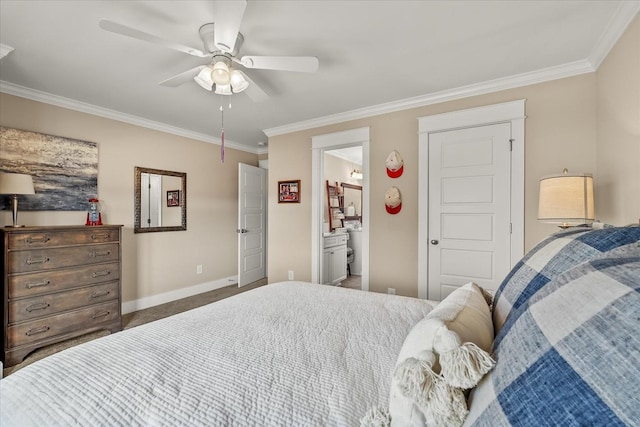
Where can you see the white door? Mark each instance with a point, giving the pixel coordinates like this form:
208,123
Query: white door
151,190
469,208
252,224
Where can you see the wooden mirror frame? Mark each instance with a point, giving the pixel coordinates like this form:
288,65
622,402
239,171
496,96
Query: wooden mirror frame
353,187
137,228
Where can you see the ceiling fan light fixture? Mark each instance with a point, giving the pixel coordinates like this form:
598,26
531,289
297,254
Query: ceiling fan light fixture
220,73
238,82
204,78
223,89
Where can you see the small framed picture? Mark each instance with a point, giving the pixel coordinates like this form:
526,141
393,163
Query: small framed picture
289,191
173,198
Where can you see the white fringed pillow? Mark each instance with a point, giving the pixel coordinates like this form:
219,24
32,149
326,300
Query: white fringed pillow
442,355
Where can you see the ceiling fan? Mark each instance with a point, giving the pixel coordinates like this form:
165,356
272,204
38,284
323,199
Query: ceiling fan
222,42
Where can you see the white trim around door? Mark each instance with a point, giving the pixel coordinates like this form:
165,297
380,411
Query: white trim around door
509,112
332,141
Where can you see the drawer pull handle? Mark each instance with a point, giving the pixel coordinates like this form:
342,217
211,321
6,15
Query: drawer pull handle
99,294
38,285
43,239
41,306
100,314
94,254
37,260
100,273
105,236
39,330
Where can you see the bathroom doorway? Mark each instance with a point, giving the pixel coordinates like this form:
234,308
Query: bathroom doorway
341,158
343,172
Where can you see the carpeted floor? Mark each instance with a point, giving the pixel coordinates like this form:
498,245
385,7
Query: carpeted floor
137,318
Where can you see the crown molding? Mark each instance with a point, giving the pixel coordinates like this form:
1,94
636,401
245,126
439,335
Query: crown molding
518,80
626,12
5,50
71,104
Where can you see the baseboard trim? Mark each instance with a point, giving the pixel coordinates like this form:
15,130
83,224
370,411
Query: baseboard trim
152,301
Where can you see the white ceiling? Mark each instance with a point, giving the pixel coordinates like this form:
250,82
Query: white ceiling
373,54
350,154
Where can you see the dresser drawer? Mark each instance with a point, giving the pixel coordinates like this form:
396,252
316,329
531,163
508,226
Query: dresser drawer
50,258
85,319
44,239
31,284
47,305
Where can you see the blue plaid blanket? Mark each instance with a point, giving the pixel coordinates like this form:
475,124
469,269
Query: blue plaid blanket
570,355
555,255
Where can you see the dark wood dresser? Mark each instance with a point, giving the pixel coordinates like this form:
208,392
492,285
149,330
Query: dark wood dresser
58,283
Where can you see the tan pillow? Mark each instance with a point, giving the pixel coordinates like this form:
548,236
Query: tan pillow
443,354
463,346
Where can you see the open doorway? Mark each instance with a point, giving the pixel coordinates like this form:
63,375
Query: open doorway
342,171
330,150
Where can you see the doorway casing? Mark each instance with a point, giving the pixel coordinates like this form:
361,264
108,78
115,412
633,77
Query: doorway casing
320,144
508,112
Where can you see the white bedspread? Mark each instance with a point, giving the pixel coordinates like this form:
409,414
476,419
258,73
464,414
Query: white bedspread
286,354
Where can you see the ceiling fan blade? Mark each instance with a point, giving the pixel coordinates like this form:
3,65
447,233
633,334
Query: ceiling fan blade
304,64
227,17
121,29
254,91
181,78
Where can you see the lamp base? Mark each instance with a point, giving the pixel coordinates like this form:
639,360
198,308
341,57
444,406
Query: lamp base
14,208
14,226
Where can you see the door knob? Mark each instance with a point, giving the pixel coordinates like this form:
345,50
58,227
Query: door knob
434,242
242,230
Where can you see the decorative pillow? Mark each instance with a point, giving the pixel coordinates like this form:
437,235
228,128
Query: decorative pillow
428,391
554,255
570,355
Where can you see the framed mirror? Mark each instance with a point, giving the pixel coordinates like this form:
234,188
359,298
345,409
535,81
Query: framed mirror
352,197
160,200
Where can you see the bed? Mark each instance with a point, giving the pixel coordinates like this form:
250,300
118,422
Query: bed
285,354
557,345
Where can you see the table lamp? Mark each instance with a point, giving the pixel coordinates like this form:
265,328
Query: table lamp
566,199
14,184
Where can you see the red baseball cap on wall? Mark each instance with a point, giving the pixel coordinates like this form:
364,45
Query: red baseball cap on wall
392,200
395,164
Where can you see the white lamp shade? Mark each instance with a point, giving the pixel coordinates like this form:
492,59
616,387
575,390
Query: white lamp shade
238,82
204,78
566,199
223,89
220,73
16,183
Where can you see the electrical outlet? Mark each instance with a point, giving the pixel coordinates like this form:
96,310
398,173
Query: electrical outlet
391,291
199,269
290,274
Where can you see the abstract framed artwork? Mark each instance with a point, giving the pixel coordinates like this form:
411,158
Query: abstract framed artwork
64,170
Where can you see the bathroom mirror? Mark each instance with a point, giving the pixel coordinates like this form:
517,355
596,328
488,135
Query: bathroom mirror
352,194
160,200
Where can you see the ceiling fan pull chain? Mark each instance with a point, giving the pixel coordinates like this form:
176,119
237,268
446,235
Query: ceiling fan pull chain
222,129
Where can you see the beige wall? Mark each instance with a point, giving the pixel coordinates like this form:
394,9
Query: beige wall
153,263
559,130
587,123
617,178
